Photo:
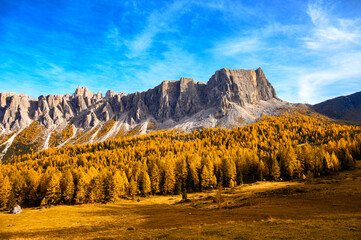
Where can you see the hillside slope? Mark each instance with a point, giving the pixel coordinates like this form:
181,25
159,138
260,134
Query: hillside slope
344,108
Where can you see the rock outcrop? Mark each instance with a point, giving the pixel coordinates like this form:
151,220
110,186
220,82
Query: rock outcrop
16,210
230,98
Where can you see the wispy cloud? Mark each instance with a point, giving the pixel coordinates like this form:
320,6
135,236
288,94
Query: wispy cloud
335,42
342,71
113,35
252,41
306,50
237,46
158,21
313,56
330,32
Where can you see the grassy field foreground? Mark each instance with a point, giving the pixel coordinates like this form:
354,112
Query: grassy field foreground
325,208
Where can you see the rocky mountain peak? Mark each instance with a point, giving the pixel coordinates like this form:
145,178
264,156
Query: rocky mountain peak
183,104
83,92
110,94
260,73
239,86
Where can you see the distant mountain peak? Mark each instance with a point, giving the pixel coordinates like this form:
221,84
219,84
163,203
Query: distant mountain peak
344,107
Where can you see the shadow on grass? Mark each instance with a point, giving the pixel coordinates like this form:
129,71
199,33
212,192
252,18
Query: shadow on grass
69,233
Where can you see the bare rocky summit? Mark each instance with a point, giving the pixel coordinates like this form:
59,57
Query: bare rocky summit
230,98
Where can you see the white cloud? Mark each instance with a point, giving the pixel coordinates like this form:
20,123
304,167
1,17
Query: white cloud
237,46
344,69
175,61
330,37
157,22
317,13
335,42
330,32
254,41
323,55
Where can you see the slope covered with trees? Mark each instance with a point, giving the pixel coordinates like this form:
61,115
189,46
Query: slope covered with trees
289,146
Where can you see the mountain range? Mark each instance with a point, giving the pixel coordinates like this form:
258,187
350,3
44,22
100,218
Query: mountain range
229,99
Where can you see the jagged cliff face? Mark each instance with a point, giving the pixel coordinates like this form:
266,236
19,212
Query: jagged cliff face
239,86
230,98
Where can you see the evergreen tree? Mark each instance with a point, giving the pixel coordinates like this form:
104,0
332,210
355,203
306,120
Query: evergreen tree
155,179
53,192
335,163
145,185
133,187
229,172
349,162
80,193
67,187
169,180
261,170
32,181
118,186
18,186
275,169
96,189
5,189
182,173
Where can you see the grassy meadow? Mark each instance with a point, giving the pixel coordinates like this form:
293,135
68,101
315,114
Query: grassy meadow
321,208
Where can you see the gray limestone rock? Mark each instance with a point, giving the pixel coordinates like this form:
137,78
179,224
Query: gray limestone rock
16,210
186,102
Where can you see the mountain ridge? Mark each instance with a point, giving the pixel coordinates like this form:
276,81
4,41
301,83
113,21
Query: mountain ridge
231,97
346,108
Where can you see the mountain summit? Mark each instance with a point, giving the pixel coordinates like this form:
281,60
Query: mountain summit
230,98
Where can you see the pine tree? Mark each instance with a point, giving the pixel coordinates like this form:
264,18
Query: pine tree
18,186
181,176
67,187
155,178
5,190
118,186
261,170
133,187
169,180
229,172
349,162
335,162
206,178
53,192
80,193
192,177
145,185
32,181
96,191
326,160
275,169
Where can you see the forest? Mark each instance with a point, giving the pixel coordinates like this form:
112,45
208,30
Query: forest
276,148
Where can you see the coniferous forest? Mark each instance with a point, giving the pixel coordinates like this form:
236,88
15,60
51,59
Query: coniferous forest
286,147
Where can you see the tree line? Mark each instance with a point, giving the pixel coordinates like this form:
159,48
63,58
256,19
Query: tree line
285,147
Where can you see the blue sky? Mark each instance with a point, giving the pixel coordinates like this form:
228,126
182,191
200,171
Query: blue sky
309,50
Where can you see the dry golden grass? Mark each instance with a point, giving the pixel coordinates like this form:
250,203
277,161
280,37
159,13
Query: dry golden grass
326,208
